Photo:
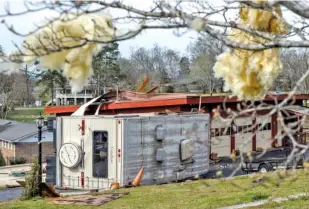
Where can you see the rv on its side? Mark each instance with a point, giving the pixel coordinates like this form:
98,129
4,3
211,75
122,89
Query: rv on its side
93,152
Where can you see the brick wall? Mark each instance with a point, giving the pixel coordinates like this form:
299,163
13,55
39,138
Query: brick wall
7,154
7,150
30,150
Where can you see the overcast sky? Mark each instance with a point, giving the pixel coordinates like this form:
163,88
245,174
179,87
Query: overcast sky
165,38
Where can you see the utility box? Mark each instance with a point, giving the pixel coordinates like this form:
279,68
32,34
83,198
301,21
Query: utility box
94,152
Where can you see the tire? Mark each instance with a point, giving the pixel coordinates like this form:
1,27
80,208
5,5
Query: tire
263,168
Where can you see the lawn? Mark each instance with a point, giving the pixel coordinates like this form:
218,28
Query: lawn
25,114
212,193
301,202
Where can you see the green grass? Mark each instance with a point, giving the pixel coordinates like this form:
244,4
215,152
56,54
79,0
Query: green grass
2,187
301,202
25,114
197,194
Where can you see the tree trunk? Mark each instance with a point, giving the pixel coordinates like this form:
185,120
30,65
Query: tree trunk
98,86
27,86
52,92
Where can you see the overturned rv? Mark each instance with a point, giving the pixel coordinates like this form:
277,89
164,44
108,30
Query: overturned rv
94,152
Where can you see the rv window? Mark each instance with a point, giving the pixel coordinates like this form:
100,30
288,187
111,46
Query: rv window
100,154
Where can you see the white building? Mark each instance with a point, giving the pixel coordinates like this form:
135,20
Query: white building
66,97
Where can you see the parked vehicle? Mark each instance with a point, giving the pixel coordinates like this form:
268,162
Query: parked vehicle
223,167
95,152
273,159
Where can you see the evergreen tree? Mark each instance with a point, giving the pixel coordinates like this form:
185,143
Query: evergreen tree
48,80
184,65
31,181
106,68
1,51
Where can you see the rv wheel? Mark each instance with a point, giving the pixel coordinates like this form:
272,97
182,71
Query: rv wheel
263,168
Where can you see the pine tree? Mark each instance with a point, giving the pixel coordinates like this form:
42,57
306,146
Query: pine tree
106,67
1,51
48,80
184,65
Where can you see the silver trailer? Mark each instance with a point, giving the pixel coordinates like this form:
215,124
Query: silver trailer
94,152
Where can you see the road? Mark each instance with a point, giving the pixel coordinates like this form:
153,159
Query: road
10,194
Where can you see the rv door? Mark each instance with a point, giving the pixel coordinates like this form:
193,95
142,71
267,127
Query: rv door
104,164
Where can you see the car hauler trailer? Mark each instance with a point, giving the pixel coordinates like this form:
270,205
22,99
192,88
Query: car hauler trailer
94,152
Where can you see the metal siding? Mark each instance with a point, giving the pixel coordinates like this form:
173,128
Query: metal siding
59,142
71,177
243,141
263,138
70,134
221,145
50,170
140,147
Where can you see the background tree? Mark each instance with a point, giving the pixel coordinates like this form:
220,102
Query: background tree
48,80
203,53
106,68
29,73
160,64
184,72
8,92
128,70
184,65
295,64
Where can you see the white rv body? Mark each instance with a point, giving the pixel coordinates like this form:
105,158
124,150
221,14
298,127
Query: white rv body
168,147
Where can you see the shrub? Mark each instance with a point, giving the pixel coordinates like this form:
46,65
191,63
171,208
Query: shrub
2,161
31,181
18,161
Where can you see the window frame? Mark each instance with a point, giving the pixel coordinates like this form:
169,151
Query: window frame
93,153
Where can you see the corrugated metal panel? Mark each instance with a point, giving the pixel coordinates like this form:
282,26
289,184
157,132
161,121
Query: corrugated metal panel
51,170
140,147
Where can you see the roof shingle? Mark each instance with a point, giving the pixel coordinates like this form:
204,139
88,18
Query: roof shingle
12,130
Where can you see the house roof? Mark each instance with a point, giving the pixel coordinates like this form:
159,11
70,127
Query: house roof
46,137
14,131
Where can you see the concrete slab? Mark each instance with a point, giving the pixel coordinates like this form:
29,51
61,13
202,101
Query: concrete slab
15,168
6,179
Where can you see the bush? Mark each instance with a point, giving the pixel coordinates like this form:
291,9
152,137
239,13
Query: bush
32,181
18,161
2,161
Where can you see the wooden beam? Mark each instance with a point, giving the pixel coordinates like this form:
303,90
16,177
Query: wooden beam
143,85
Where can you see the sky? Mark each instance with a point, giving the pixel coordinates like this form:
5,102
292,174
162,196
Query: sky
164,38
147,39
